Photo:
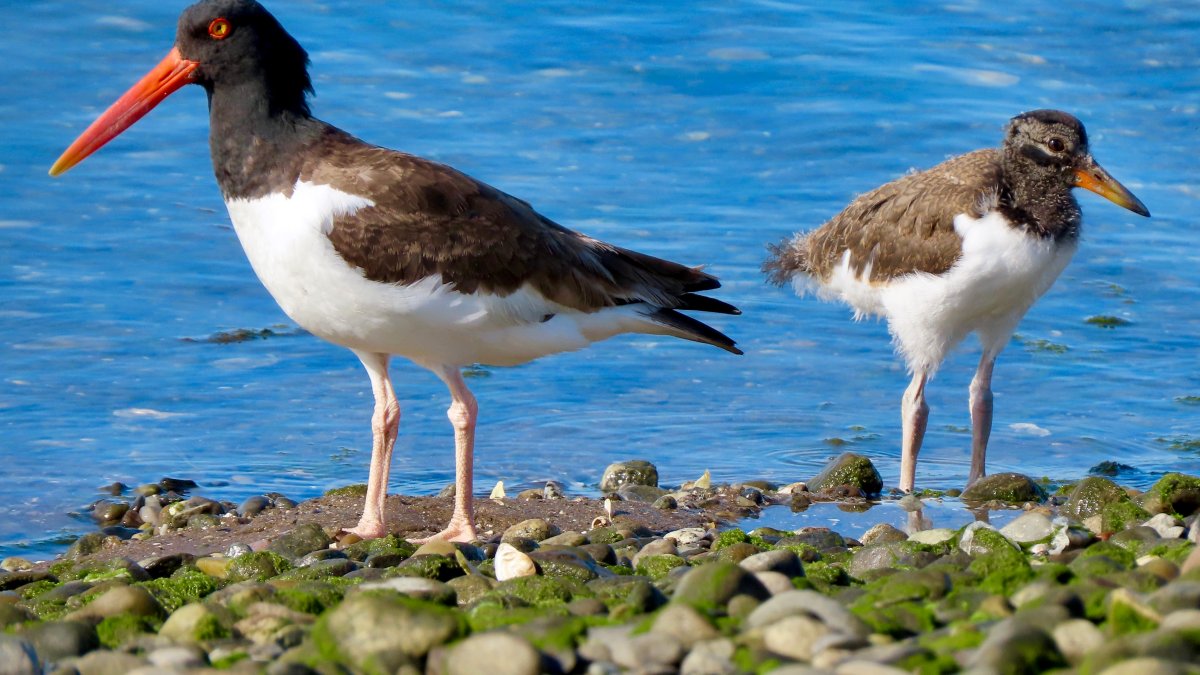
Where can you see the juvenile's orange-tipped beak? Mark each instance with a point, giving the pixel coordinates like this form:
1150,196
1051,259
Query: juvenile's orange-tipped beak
1093,177
167,77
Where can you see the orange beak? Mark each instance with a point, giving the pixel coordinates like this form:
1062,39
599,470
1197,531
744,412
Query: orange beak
1093,177
167,77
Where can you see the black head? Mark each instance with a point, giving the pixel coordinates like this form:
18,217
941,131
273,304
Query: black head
1046,154
238,43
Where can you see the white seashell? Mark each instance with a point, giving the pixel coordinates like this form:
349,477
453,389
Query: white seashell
511,563
498,491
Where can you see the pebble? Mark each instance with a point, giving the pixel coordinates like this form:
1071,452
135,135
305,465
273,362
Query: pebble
512,563
1166,525
793,637
495,653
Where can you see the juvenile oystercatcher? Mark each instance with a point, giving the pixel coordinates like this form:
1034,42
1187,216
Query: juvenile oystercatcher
389,254
967,246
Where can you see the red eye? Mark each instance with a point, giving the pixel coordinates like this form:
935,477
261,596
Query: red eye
219,29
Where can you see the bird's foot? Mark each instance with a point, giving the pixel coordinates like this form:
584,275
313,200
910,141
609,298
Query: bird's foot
458,530
365,530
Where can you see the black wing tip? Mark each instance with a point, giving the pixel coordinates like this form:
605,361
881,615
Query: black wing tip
703,303
698,331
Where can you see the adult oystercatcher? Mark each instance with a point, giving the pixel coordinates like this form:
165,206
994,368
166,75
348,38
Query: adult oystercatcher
967,246
389,254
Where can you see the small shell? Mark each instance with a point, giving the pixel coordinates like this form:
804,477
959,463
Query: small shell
498,491
511,563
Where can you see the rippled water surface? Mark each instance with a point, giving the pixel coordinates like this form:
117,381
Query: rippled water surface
697,131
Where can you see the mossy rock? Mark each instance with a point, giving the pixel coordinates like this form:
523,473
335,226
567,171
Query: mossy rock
1002,571
185,586
300,541
1175,493
897,619
1173,550
1121,514
710,587
1125,557
256,566
378,632
117,630
389,545
436,567
487,616
539,591
117,568
1009,488
195,623
309,597
827,574
565,563
631,472
355,490
627,596
658,566
848,469
1090,496
324,569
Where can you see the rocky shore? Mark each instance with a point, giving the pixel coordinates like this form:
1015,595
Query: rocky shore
1091,577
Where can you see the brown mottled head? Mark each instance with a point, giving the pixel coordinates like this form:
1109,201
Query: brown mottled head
1045,154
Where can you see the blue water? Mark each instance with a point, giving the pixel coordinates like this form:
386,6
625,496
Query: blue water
697,131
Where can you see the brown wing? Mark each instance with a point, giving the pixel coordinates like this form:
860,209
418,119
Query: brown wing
902,227
431,219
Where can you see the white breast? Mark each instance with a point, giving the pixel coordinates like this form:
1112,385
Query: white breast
1002,271
286,240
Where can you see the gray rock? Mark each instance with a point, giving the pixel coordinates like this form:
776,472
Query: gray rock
795,603
1182,620
646,494
177,658
496,653
632,472
683,623
1076,639
133,600
11,615
973,543
888,556
253,506
1028,527
18,657
857,667
565,539
537,529
386,632
648,652
710,657
712,585
779,560
656,547
102,662
936,535
883,533
300,541
1010,488
793,637
59,640
1166,525
1147,666
236,549
848,469
688,537
820,538
774,582
415,587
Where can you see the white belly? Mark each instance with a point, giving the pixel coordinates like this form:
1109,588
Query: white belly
286,240
1001,273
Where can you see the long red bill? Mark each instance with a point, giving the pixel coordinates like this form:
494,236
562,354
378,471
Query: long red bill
167,77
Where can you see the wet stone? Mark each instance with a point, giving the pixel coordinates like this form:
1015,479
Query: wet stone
497,653
1028,527
640,493
820,538
1009,488
253,506
61,639
883,533
783,561
848,469
535,529
1090,496
711,586
632,472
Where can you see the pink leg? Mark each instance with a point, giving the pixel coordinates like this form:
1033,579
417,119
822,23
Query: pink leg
915,415
385,426
981,415
462,413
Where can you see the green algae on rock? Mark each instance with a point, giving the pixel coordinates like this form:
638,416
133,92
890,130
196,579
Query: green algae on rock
848,469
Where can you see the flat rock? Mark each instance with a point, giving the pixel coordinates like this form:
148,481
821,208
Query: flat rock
793,603
133,600
936,535
779,560
415,587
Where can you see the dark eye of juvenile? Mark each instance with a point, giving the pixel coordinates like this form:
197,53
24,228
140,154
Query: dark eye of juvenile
1057,145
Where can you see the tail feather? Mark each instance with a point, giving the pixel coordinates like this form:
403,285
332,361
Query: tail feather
787,259
690,329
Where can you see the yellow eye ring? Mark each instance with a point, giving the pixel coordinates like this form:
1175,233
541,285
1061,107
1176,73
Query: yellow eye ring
219,29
